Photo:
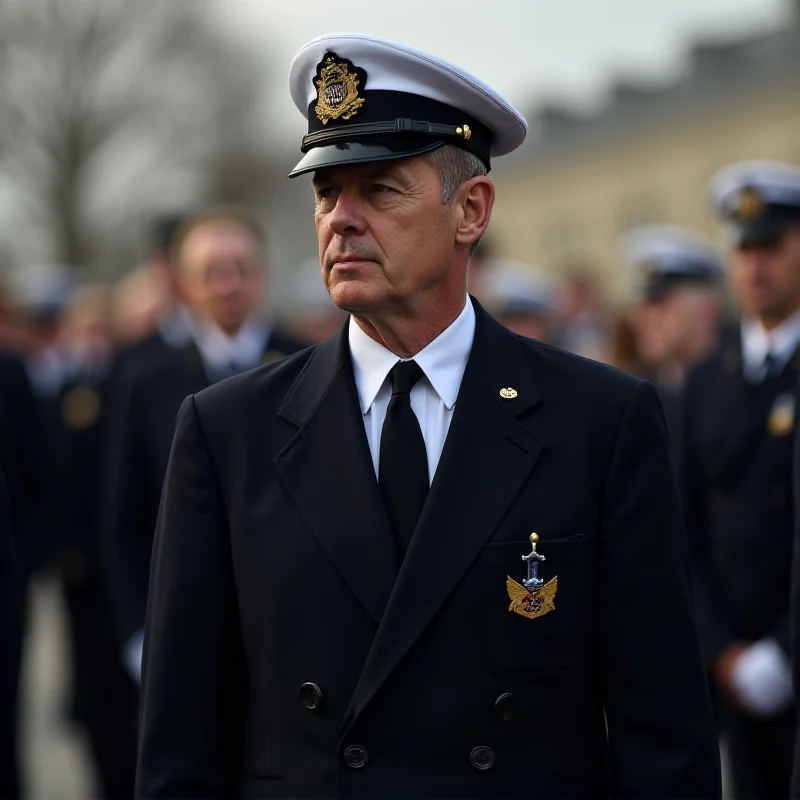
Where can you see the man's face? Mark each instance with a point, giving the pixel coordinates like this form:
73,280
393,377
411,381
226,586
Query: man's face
664,325
766,276
221,275
386,239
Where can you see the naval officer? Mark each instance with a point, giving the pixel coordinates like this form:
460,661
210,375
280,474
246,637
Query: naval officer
737,476
676,278
427,557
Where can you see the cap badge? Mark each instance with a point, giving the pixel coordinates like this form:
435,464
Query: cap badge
750,204
337,88
533,597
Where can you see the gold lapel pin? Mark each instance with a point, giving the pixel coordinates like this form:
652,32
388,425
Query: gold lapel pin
508,393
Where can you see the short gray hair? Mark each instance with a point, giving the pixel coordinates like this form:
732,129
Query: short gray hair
455,167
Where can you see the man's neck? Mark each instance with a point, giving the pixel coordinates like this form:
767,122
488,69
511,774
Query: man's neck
772,321
406,336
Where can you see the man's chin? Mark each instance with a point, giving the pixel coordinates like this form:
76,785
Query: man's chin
353,296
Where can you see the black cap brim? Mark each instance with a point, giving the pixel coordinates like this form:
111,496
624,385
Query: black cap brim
363,151
767,230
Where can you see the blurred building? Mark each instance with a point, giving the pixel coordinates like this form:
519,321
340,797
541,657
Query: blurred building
647,155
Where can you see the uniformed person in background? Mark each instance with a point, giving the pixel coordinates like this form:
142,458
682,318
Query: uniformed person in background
219,258
10,626
521,297
737,476
33,497
173,325
104,698
677,286
346,596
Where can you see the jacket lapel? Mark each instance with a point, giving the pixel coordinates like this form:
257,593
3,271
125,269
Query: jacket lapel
328,471
487,458
738,416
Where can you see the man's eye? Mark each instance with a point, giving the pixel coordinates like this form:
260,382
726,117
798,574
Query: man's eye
382,188
325,193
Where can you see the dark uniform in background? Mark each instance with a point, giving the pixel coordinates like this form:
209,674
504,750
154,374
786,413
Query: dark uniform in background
676,279
28,512
10,626
105,698
295,648
143,437
737,480
174,328
223,283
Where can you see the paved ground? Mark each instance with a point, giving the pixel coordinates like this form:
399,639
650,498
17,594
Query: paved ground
55,757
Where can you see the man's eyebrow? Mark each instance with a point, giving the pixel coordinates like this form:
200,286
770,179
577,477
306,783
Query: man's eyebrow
384,171
375,173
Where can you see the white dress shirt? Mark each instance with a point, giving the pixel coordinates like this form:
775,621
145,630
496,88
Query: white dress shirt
433,398
243,350
757,342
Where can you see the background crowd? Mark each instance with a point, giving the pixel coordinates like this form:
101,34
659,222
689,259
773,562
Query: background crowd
150,246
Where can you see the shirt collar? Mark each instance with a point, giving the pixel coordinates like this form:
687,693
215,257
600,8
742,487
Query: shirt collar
243,349
176,326
443,361
781,341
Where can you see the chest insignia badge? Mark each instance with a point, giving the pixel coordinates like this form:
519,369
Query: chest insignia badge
781,417
533,597
81,407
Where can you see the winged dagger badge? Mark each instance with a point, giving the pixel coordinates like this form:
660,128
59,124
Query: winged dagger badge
533,597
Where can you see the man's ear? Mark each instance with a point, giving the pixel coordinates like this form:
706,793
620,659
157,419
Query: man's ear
475,201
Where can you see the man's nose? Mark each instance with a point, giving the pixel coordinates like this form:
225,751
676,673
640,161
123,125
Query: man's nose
347,216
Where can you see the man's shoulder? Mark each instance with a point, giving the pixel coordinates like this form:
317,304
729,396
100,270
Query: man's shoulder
559,370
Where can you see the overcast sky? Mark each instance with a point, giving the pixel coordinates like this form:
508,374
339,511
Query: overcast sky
529,50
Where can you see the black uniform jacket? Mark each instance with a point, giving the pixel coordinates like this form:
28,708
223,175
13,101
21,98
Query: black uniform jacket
141,431
795,589
30,468
737,490
274,566
10,625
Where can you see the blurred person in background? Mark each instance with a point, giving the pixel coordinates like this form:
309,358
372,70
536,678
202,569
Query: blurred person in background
739,415
586,328
677,282
521,298
219,260
172,328
138,300
10,621
40,293
31,503
10,630
104,698
624,353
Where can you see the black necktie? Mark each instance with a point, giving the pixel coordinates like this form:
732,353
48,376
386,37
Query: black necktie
771,366
403,464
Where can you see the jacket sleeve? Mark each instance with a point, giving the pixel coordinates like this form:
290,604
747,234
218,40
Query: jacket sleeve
661,726
193,679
